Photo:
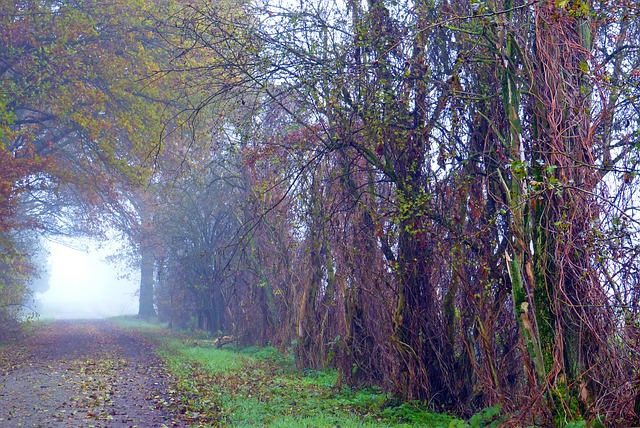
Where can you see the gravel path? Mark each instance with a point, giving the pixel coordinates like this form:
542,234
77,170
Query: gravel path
84,374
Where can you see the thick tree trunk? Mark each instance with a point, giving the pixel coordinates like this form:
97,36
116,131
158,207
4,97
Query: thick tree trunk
147,260
146,307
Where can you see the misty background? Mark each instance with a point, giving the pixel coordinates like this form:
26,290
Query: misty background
84,279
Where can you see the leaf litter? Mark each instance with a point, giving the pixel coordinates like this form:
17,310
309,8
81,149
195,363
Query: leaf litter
85,374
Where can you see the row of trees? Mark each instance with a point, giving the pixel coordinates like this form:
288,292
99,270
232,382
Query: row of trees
437,198
434,201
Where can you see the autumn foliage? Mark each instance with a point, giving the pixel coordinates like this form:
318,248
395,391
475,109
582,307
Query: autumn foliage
80,117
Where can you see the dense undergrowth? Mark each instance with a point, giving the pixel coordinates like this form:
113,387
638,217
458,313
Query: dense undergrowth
259,387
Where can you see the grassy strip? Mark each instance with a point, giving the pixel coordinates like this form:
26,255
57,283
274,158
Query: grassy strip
258,387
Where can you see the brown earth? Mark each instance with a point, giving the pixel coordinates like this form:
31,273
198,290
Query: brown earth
84,374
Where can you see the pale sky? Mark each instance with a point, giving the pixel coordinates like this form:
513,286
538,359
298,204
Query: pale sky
84,285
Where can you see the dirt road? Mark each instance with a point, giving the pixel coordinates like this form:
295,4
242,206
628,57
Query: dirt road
84,374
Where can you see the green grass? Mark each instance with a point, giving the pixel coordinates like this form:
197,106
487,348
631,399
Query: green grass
211,360
259,387
133,322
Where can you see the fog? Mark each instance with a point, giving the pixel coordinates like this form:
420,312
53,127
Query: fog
83,285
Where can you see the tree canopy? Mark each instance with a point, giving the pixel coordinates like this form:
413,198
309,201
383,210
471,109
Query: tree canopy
83,110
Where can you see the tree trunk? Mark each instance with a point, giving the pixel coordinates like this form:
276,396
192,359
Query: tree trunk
146,307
